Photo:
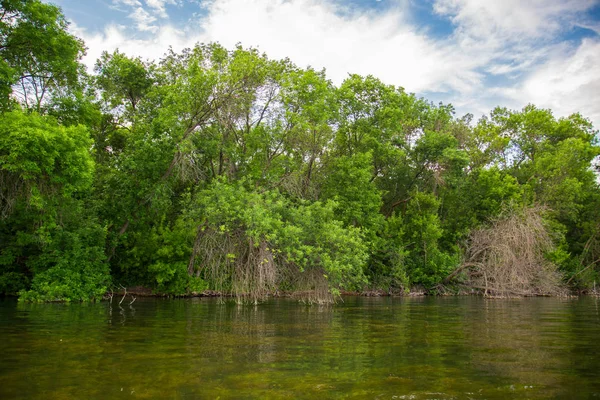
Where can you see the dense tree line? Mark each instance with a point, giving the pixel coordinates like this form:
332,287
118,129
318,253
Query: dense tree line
225,170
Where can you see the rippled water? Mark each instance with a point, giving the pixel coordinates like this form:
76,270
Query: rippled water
364,348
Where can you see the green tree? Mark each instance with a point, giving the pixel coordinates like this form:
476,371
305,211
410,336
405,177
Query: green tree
39,56
427,264
50,236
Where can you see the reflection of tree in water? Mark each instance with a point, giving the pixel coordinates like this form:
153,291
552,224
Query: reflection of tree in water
519,344
197,348
54,351
583,333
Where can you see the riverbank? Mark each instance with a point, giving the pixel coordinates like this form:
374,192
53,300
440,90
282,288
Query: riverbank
141,291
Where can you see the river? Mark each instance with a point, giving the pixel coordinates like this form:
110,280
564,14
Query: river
363,348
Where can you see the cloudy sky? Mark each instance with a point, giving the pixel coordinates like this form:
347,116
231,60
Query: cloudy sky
475,54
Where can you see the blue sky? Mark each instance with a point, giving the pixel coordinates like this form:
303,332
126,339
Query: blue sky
475,54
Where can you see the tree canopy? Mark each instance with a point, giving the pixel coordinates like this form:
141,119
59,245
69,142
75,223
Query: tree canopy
223,169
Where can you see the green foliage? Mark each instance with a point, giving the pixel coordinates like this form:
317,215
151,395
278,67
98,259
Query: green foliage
313,238
475,199
301,237
172,278
223,169
38,53
168,257
387,267
43,157
11,282
77,272
122,79
349,184
53,248
66,256
428,265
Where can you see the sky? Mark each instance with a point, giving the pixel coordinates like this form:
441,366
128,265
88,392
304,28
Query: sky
474,54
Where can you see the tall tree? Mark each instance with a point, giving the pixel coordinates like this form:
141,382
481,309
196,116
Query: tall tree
38,54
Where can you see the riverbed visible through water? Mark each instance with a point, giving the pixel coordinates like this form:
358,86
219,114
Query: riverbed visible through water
362,348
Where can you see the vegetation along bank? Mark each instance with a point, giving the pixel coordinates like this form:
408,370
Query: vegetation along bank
221,169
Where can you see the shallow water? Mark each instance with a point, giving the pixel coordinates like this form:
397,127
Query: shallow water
364,348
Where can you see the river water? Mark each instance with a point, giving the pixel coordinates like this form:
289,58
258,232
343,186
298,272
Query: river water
363,348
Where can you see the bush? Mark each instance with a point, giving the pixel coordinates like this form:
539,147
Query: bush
248,243
72,267
511,257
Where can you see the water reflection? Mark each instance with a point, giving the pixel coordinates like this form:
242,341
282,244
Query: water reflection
362,348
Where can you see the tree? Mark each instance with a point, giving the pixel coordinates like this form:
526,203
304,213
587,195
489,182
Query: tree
427,263
123,79
39,56
50,236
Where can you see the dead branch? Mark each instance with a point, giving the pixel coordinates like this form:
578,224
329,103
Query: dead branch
124,295
508,258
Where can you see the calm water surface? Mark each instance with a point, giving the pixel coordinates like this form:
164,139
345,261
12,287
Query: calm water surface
364,348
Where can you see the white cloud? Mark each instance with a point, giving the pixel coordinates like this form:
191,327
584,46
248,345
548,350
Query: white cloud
516,35
158,6
115,37
316,33
566,83
512,19
145,14
520,38
513,40
129,3
143,20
